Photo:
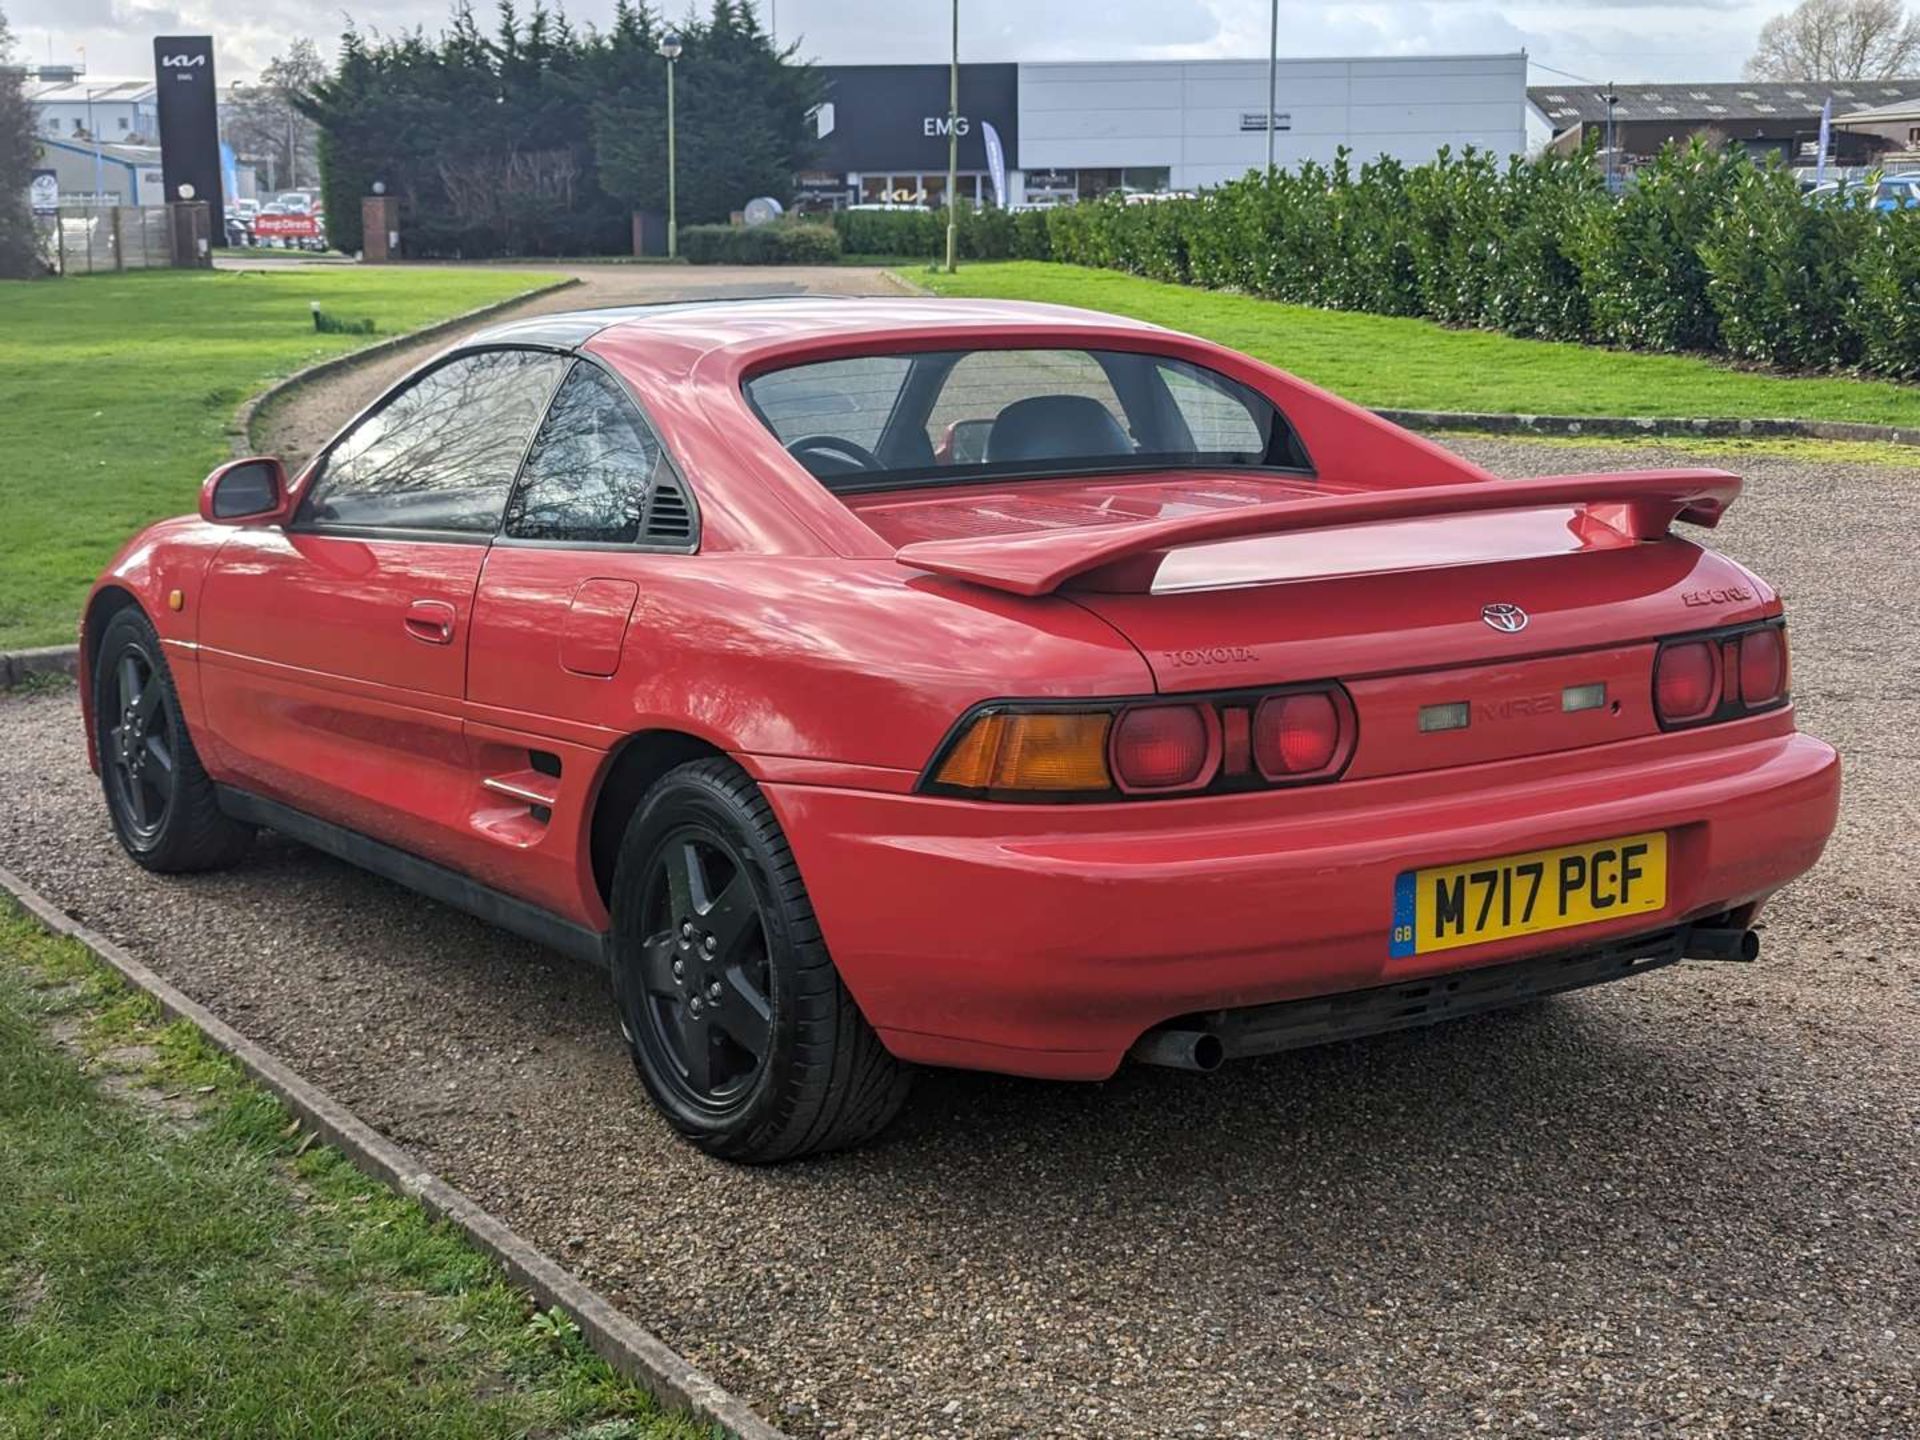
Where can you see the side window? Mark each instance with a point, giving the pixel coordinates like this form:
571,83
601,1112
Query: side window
440,455
1216,415
591,463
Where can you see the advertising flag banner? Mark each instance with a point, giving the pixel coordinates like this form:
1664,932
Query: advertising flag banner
1826,134
996,163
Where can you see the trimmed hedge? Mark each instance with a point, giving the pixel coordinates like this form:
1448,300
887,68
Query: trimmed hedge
1707,251
779,244
922,234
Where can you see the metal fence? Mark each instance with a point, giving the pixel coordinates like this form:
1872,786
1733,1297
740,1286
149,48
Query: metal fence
89,239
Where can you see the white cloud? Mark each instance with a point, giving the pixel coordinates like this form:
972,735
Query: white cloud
1605,39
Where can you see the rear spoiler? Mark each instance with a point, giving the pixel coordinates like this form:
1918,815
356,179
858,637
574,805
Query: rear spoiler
1638,503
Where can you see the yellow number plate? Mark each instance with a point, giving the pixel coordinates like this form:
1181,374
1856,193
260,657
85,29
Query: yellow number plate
1453,905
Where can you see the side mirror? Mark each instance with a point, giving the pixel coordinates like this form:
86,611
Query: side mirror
241,492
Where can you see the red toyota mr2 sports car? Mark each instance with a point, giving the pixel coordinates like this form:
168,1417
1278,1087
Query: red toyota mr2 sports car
867,682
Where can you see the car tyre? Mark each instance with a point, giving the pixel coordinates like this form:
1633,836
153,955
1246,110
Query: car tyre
736,1018
161,802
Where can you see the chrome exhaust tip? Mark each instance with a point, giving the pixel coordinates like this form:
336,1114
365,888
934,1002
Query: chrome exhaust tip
1197,1050
1707,943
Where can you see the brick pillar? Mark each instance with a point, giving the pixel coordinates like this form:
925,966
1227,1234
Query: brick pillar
380,229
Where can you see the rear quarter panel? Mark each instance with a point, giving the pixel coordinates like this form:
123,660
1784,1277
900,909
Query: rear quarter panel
785,658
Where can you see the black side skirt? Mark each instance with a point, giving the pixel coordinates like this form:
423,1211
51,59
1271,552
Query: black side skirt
436,882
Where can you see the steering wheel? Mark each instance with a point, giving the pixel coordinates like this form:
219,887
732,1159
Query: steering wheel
840,457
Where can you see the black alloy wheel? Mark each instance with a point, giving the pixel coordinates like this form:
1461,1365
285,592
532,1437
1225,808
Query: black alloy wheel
735,1015
704,969
165,811
138,748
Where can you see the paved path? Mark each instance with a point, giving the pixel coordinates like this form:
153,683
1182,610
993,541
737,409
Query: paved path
1684,1205
294,428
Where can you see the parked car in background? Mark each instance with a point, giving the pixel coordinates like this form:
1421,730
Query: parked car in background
239,222
1890,192
871,683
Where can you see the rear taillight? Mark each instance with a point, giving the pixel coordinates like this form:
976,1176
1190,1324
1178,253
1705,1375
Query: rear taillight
1763,667
1296,734
1720,675
1209,744
1686,681
1163,747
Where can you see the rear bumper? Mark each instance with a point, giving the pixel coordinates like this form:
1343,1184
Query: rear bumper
1043,940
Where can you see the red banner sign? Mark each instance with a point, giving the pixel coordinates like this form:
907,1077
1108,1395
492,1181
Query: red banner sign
288,227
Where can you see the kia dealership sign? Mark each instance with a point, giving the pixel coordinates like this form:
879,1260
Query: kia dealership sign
189,122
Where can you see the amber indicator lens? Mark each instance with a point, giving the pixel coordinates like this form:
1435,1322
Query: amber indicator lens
1161,747
1041,751
1686,680
1451,716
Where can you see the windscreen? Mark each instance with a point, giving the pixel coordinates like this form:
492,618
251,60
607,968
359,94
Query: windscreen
883,421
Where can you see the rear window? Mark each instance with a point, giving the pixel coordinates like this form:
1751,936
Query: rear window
883,421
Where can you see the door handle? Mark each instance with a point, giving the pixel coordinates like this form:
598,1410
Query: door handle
431,621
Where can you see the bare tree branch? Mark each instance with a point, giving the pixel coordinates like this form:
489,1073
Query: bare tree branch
1838,40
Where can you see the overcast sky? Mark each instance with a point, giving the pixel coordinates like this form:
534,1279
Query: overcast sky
1599,39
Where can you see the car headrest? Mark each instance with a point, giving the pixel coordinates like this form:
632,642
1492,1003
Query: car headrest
1053,427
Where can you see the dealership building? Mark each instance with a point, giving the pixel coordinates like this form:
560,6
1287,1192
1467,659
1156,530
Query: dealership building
1080,129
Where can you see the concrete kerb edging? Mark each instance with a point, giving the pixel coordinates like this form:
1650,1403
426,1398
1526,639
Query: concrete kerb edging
629,1347
18,666
240,430
1649,427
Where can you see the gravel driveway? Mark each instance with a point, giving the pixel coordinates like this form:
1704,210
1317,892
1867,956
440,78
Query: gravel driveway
1685,1205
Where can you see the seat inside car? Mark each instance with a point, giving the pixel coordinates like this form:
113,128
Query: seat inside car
1053,427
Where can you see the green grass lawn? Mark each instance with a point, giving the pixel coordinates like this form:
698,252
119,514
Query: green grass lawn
116,390
177,1260
1393,363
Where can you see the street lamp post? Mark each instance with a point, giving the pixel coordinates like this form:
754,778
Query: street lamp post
1273,76
1612,100
953,144
94,136
670,48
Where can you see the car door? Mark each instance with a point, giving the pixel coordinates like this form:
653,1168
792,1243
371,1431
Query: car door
596,527
334,649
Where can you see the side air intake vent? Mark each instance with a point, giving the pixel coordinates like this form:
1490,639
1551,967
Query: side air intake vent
669,517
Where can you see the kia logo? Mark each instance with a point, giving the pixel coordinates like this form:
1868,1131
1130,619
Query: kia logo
1507,619
181,61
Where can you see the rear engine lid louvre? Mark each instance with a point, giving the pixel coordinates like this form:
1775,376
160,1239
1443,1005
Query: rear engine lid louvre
1641,505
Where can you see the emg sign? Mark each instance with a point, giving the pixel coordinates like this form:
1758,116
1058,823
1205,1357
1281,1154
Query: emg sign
935,127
